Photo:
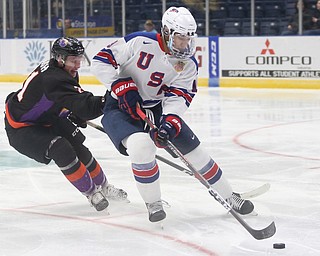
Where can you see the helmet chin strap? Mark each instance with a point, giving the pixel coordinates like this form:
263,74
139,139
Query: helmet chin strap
61,61
166,37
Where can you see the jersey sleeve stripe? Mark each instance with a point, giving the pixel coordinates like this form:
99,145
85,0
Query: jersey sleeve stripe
180,93
106,56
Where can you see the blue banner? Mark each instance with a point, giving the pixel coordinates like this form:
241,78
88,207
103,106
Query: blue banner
213,61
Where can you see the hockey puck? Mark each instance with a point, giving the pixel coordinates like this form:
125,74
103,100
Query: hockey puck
279,246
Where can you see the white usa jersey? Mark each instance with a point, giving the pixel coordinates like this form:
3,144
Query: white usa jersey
159,77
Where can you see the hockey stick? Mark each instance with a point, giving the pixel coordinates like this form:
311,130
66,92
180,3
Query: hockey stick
255,192
245,195
162,159
96,126
267,232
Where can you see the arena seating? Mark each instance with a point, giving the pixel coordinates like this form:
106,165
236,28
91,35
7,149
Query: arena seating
227,18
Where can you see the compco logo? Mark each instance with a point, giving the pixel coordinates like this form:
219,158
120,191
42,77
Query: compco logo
268,56
35,52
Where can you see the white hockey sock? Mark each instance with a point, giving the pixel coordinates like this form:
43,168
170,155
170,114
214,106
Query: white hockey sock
222,186
150,192
142,150
210,170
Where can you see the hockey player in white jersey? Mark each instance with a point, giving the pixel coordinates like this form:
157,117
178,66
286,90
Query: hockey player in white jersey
159,72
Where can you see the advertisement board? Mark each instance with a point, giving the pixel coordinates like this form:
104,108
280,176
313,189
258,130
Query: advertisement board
273,60
257,62
23,55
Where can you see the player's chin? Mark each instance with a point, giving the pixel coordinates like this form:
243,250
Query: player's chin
73,73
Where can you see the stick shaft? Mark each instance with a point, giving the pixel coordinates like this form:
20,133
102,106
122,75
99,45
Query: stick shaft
257,234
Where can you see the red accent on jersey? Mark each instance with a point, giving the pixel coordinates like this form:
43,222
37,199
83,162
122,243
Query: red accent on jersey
181,93
159,38
109,57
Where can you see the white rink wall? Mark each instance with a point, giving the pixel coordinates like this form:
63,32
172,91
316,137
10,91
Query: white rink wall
258,62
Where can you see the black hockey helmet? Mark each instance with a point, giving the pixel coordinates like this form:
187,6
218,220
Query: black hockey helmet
66,46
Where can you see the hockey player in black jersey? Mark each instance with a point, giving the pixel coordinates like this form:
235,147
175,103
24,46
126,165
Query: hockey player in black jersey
42,119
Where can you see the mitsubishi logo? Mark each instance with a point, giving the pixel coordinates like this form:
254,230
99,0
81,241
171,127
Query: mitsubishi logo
264,51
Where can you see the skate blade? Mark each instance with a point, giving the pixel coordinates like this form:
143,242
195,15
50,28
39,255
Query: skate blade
253,213
159,224
162,225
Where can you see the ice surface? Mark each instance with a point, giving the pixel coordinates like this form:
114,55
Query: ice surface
257,136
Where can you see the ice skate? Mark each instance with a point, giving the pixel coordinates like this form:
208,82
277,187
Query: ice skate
113,193
98,201
241,206
156,212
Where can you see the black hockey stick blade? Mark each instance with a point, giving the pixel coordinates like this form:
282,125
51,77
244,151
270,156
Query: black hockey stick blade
258,234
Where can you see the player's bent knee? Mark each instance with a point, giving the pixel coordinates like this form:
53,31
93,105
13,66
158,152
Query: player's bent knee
61,151
141,148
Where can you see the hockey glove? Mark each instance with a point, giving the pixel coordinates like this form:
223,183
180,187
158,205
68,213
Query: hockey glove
77,120
65,128
128,96
65,113
170,127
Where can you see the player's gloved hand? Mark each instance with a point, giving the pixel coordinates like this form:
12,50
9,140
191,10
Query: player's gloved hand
65,128
170,127
77,120
160,142
128,96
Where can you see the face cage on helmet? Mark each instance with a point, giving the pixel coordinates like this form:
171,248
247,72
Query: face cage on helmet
188,52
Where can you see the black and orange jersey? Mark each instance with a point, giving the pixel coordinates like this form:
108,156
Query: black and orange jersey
45,93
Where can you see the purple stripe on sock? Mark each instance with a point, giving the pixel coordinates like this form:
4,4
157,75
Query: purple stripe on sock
99,179
85,184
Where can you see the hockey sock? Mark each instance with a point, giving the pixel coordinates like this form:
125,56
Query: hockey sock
65,157
79,176
142,150
210,171
96,172
147,181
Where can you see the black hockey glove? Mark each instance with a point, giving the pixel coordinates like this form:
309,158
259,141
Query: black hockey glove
128,96
77,120
65,128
